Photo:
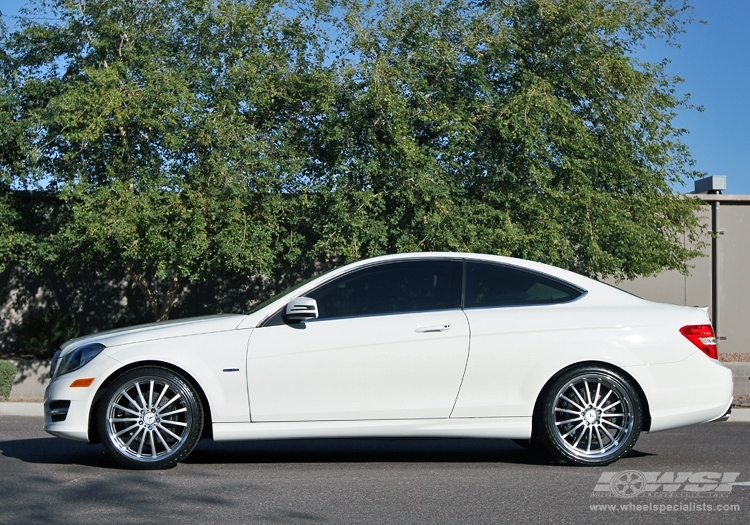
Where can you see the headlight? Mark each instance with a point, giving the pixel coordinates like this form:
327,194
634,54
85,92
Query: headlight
78,357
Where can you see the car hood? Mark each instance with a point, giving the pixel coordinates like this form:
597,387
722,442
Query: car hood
153,331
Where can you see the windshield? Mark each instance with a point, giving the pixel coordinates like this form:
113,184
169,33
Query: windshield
282,293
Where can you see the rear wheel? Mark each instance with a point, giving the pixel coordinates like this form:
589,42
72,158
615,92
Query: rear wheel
150,418
590,416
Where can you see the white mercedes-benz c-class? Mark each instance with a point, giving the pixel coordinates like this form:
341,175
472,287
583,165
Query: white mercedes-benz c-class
422,344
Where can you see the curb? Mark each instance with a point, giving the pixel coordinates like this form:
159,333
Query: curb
739,415
19,408
15,408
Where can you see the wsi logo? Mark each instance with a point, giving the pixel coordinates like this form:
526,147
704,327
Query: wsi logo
631,483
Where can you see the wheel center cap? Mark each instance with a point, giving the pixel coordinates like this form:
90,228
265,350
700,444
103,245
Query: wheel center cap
149,418
590,416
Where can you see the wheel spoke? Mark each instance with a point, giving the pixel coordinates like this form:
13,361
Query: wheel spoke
161,438
580,436
577,413
596,396
132,401
610,406
558,423
588,441
604,399
164,391
140,395
176,423
566,398
178,411
159,425
579,425
131,427
588,391
175,398
123,419
599,438
583,402
613,425
120,407
127,445
140,445
153,443
150,393
610,436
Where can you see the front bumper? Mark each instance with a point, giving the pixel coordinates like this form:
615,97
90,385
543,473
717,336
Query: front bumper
67,409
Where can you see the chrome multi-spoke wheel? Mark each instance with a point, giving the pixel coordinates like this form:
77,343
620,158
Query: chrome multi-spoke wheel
150,418
591,416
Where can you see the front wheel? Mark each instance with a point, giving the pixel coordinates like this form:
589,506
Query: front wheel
590,416
150,418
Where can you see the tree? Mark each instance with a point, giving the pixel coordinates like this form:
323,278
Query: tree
517,127
14,239
172,131
190,138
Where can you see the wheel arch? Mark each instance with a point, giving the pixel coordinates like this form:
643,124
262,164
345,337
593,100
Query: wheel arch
536,418
93,434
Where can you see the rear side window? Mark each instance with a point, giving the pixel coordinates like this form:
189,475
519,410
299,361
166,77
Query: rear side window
492,285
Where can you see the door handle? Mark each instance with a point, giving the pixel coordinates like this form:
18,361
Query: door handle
433,328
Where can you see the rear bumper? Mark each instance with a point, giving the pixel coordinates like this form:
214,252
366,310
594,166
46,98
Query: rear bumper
695,390
726,416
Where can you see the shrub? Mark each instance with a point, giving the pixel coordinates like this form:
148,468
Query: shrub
7,375
42,332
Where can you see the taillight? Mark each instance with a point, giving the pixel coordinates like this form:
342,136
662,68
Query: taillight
702,336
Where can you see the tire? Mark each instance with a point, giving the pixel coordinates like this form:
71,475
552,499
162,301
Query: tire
150,418
590,416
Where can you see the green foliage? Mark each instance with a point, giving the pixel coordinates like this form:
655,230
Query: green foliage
7,376
14,241
42,332
186,138
173,132
522,128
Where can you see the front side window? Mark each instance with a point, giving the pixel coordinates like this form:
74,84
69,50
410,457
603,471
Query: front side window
493,285
401,287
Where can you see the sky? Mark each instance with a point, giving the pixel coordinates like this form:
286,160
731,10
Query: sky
714,61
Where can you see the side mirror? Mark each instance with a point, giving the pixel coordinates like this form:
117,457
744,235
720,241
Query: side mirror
301,309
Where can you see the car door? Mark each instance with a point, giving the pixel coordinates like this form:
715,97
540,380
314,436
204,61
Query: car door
391,342
519,320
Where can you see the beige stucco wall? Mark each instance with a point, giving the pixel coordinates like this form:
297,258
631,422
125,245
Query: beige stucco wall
733,274
734,278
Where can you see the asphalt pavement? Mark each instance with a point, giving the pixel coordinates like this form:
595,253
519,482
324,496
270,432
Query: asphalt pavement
698,474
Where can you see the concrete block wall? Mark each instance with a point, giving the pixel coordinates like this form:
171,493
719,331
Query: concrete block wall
31,380
741,377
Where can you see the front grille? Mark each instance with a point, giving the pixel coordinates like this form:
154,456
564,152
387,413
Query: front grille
58,410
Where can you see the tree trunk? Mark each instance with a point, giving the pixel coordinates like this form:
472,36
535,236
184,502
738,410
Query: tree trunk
161,309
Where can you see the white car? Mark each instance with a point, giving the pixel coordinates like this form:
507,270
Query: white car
422,344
